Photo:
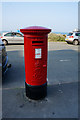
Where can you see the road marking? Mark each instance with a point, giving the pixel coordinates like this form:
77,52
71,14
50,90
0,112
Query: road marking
64,60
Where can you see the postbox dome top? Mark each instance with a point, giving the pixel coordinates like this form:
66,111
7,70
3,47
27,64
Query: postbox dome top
35,30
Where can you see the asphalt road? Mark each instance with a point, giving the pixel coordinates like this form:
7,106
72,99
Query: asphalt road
62,97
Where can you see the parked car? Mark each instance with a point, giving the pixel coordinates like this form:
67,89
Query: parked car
12,37
73,37
3,59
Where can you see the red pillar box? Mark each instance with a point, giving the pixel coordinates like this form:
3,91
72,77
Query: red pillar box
35,56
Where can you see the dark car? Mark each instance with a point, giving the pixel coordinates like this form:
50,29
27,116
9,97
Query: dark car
3,58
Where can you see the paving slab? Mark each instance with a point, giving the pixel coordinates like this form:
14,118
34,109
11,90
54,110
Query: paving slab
59,103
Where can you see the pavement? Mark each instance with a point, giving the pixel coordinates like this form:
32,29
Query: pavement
62,90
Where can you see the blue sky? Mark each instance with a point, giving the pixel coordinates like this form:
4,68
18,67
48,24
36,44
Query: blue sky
59,16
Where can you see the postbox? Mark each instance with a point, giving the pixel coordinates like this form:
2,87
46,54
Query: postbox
35,57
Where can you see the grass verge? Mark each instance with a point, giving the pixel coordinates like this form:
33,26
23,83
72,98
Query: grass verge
53,37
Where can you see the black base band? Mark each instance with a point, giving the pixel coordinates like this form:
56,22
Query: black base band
36,92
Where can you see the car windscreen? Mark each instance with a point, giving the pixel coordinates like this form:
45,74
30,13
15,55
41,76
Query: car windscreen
77,34
69,34
8,34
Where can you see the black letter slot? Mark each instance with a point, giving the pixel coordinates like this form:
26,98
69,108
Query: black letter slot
37,42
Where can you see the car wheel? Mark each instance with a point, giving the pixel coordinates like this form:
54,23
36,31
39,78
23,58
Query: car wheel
75,42
5,42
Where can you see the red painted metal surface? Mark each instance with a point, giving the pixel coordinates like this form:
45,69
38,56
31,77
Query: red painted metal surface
35,53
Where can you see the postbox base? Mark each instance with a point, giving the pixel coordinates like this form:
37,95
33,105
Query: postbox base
36,92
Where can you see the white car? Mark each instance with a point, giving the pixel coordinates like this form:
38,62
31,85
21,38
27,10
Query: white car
12,37
73,37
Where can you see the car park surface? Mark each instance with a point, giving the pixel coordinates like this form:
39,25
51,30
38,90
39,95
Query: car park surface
62,97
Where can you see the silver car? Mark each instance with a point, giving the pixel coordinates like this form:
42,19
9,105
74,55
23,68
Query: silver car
73,37
12,37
